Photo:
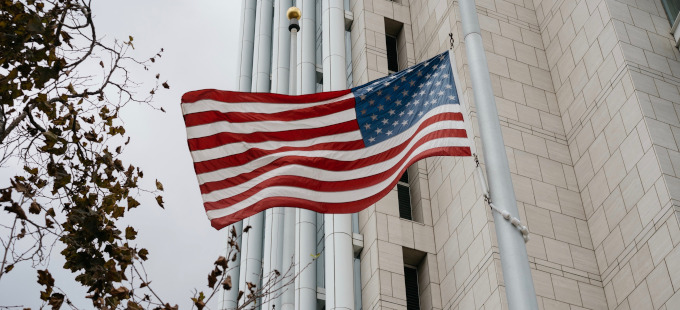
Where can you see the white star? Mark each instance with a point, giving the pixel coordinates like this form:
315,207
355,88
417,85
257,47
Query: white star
445,75
441,57
381,107
374,117
379,92
416,102
369,89
367,126
401,114
389,132
419,73
396,123
363,111
422,92
385,121
387,84
403,79
434,101
441,92
412,83
405,93
448,86
420,113
452,97
438,83
363,97
371,102
398,102
371,139
428,76
379,130
429,83
435,74
434,67
410,112
391,112
432,93
388,98
404,123
421,85
395,87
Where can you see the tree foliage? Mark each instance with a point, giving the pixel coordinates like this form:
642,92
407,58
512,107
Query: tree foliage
61,91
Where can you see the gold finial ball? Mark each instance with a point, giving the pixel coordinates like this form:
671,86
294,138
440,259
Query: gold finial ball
293,12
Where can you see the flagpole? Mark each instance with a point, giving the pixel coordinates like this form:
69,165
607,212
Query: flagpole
519,285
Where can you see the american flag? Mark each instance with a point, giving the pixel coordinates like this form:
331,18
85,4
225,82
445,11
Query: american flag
331,152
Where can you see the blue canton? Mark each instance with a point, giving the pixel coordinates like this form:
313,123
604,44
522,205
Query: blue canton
390,105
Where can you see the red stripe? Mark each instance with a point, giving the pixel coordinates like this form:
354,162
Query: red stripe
324,164
253,153
321,163
208,117
222,138
349,207
321,186
232,97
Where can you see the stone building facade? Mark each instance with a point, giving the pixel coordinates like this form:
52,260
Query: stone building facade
588,93
589,103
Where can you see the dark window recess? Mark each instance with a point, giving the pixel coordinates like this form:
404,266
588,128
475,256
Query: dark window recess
672,7
392,61
404,193
412,298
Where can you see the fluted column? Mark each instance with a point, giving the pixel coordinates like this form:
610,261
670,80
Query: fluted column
337,227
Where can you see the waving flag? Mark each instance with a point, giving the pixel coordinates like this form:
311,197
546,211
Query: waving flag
332,152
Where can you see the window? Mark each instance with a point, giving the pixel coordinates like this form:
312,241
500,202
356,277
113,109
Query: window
672,7
392,58
395,46
404,192
412,292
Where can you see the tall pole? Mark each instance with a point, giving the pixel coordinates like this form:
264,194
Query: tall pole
519,286
337,227
288,255
305,220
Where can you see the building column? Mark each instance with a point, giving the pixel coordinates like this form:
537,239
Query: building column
337,227
246,40
251,251
274,225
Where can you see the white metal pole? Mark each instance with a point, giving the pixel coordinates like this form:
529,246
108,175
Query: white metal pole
337,227
519,285
288,254
305,220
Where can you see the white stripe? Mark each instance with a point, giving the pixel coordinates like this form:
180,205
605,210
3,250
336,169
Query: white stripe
321,174
252,107
270,126
337,155
326,197
240,147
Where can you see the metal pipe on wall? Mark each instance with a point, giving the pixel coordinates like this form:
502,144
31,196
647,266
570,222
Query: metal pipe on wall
337,227
519,286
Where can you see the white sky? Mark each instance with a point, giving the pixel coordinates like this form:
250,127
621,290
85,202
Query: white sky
200,38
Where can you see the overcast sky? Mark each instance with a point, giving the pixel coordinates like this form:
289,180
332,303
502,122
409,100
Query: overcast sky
200,38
